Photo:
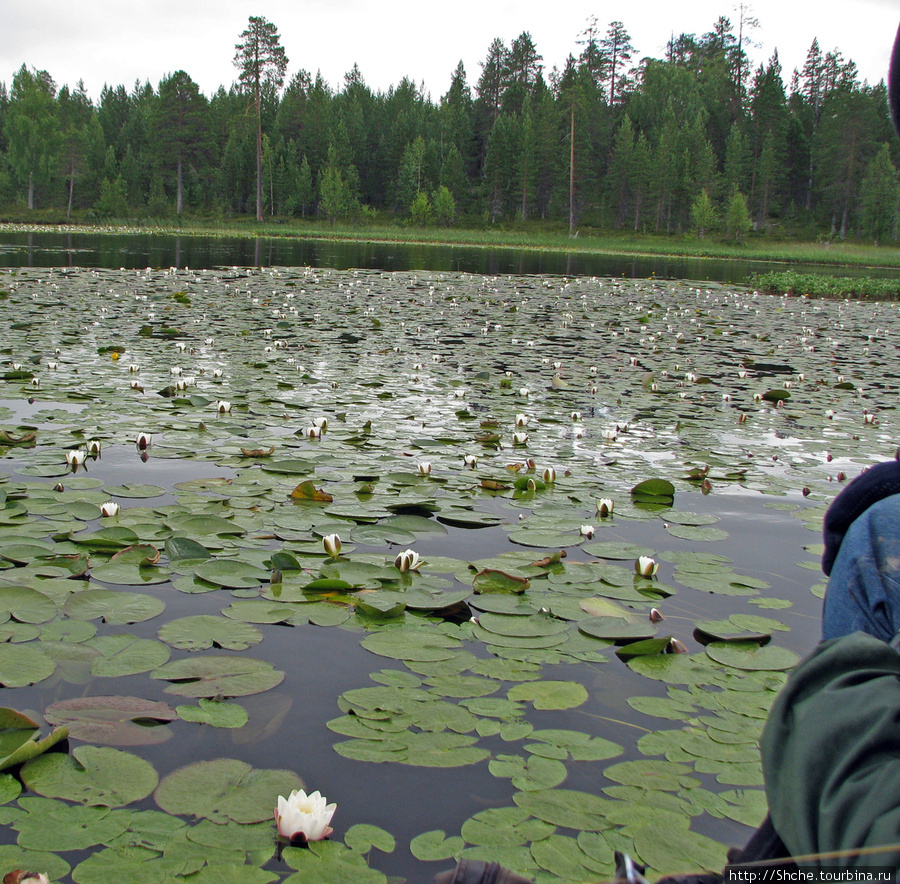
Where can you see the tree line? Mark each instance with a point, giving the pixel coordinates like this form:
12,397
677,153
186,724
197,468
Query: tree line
697,140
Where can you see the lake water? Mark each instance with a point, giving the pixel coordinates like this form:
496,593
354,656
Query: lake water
137,251
415,360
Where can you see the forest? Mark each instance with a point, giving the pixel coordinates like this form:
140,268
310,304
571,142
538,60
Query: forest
699,141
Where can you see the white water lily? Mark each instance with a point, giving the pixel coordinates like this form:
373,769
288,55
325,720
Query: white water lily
110,508
524,391
217,372
605,507
408,560
576,416
302,817
76,457
609,435
588,531
424,468
52,365
144,440
646,566
223,406
93,447
549,475
314,432
522,420
520,438
471,461
321,423
332,544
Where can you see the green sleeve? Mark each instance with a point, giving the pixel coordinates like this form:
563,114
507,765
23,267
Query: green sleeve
831,752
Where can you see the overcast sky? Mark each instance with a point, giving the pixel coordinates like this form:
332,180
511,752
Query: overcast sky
120,41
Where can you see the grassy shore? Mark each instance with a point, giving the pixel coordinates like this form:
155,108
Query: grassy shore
531,237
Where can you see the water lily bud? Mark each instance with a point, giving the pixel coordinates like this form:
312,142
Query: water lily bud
655,615
742,373
301,817
408,560
35,382
830,414
869,418
757,397
588,531
605,507
593,369
520,438
677,647
646,566
332,544
19,876
75,458
521,420
223,406
93,447
549,475
424,468
16,366
110,508
144,440
471,461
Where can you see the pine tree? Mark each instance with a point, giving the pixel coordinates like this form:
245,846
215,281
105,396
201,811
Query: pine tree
262,63
880,197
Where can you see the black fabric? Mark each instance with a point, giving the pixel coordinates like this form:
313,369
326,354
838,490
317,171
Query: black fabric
871,486
894,83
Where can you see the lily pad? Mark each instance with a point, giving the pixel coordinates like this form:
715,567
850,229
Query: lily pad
114,721
218,676
224,789
92,775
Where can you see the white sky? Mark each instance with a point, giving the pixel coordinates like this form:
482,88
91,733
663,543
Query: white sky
120,41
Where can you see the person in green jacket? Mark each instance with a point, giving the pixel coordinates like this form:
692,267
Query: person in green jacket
831,745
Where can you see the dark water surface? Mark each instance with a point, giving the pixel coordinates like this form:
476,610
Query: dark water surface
139,250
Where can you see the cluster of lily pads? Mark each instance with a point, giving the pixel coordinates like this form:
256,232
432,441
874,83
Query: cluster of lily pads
454,472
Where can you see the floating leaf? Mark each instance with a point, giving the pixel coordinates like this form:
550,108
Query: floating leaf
117,607
218,676
21,665
550,694
750,656
93,775
308,491
207,631
115,721
224,789
217,714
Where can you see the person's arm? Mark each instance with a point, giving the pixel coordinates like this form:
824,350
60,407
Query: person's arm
831,752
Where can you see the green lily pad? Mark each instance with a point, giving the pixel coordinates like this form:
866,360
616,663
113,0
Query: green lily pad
207,631
547,694
212,712
218,676
750,656
22,665
116,607
224,789
92,775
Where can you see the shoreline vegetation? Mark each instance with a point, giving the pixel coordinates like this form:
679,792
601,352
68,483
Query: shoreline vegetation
823,252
